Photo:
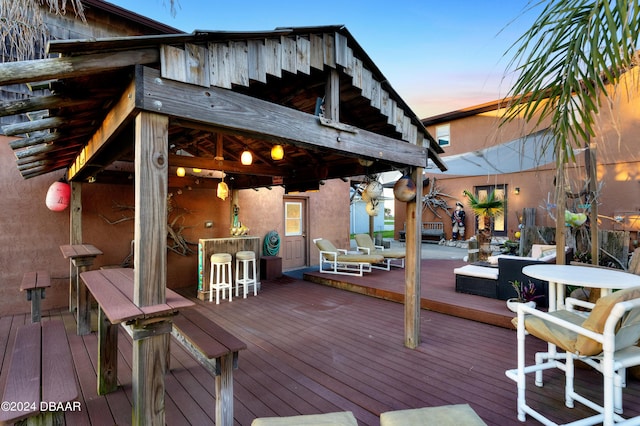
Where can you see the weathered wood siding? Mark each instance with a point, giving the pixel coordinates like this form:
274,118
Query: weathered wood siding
228,63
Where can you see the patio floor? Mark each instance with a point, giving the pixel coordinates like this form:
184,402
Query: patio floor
316,349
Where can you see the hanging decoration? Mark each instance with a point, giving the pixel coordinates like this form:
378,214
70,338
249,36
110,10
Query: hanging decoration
58,196
404,189
223,189
373,189
372,207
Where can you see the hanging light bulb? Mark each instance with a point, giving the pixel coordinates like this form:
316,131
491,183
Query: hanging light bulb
277,152
181,171
246,158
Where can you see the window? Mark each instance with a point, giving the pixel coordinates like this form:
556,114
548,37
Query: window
292,218
442,135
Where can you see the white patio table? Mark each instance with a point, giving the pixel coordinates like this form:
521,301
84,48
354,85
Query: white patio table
584,276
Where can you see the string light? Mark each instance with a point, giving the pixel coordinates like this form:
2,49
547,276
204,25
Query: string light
277,152
246,158
181,171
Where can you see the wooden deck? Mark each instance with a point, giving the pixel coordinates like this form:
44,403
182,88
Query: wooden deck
314,349
437,291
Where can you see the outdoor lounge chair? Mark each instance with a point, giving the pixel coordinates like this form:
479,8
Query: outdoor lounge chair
392,257
605,339
339,261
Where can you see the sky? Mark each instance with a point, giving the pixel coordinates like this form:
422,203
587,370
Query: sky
439,55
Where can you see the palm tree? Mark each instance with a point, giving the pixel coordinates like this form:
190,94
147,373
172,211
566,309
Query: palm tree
564,63
487,208
23,30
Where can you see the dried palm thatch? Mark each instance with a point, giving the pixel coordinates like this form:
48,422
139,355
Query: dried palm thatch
23,33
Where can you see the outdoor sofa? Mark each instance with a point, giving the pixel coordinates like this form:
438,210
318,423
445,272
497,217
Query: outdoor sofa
495,277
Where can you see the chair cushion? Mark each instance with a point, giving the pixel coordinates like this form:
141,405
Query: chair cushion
391,253
554,333
447,415
598,317
364,240
326,245
345,418
360,258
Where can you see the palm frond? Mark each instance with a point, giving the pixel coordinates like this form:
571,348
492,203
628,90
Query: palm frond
565,61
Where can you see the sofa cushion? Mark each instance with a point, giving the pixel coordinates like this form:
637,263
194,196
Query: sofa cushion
477,271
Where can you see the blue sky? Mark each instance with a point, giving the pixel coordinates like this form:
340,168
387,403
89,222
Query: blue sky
439,55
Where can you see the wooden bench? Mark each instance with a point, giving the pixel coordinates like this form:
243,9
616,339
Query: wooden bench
35,283
431,231
41,380
217,350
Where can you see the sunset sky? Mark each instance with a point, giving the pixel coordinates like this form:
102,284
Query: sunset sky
438,55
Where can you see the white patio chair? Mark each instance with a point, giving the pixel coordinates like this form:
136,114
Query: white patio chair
392,257
339,261
605,339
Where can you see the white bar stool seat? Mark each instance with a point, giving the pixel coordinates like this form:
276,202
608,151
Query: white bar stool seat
221,270
244,260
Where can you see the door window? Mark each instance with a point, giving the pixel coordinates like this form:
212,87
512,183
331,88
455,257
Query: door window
292,218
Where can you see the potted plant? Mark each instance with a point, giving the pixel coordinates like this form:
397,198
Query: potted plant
487,208
526,293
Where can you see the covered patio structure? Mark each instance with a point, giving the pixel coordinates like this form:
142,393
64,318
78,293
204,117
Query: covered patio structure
136,108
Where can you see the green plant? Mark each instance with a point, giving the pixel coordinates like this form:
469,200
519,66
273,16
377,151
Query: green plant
525,292
489,206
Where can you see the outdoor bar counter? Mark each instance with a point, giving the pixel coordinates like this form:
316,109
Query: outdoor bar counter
231,245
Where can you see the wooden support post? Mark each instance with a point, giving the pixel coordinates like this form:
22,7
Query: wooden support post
412,269
75,237
83,297
224,391
150,263
107,354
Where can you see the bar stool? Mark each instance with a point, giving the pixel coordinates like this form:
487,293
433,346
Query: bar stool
243,259
221,266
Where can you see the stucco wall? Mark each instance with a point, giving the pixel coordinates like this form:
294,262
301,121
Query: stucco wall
617,130
31,234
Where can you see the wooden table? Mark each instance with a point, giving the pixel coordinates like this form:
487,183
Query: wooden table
113,290
82,257
560,276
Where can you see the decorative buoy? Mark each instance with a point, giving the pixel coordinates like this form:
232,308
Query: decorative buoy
374,189
404,189
58,196
372,207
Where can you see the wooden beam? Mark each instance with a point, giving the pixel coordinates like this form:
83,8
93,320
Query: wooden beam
37,103
31,126
253,117
34,140
150,263
224,166
73,66
112,124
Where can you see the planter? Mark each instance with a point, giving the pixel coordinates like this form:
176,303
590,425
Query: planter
512,304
